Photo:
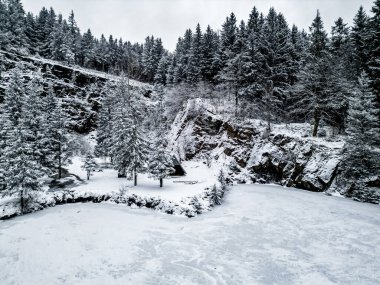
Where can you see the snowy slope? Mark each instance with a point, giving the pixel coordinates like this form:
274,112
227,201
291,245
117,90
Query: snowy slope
260,235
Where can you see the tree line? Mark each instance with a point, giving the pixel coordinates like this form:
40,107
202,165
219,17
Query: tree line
51,36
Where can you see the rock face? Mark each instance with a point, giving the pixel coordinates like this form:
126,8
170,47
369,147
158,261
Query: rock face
84,88
286,155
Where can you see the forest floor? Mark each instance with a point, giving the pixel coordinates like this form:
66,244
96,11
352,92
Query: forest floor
260,235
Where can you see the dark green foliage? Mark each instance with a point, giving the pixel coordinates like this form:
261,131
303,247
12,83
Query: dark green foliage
216,196
361,162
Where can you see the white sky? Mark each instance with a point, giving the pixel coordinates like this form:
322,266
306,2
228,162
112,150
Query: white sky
133,20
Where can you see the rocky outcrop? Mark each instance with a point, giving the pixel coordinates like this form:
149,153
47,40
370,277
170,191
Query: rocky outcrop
85,87
286,155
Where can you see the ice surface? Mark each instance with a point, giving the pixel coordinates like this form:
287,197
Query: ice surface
260,235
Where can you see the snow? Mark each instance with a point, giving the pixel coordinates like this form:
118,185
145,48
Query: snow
260,235
174,189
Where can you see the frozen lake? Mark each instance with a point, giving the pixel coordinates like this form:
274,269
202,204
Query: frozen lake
260,235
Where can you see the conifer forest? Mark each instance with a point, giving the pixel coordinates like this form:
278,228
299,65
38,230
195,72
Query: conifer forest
249,154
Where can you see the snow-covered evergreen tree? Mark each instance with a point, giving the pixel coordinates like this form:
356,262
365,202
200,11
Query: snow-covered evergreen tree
216,196
373,41
89,165
21,133
160,164
358,38
105,122
129,147
162,69
361,159
57,140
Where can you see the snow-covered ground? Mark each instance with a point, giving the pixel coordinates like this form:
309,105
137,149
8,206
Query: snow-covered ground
260,235
175,189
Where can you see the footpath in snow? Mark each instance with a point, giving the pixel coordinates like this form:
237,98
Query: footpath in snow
260,235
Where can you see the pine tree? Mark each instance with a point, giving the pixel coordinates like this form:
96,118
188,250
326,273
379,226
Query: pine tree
339,36
22,172
160,163
216,196
225,52
318,37
87,50
57,45
160,77
21,167
105,122
253,24
16,24
277,66
30,33
194,61
374,49
148,60
89,165
4,36
358,39
222,179
129,149
171,69
208,48
56,143
311,94
361,159
33,121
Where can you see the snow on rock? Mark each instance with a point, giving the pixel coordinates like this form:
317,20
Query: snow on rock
287,155
83,87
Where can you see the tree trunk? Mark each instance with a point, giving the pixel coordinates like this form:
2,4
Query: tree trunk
317,119
161,182
236,101
22,201
135,177
60,161
88,175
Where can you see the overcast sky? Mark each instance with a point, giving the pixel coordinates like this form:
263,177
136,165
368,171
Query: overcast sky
133,20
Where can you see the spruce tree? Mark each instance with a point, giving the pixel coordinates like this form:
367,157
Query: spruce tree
89,165
310,94
358,39
318,37
20,135
361,158
57,141
105,124
160,77
208,49
216,196
129,147
374,49
194,61
16,24
160,164
4,35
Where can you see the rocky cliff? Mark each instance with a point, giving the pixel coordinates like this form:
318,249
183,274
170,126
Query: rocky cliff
286,155
83,86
